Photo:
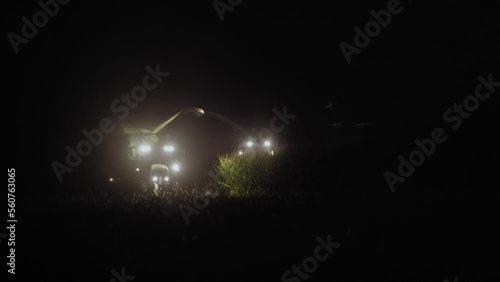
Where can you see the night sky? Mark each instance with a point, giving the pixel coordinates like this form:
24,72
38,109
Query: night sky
264,55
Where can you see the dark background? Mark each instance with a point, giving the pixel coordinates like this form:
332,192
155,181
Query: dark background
264,55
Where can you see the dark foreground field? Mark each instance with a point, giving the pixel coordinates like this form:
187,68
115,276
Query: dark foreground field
423,232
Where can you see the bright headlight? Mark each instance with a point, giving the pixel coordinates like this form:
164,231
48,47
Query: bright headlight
145,148
267,143
249,144
166,178
176,167
155,178
168,148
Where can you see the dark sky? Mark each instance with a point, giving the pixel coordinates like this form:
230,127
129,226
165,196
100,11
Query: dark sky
265,54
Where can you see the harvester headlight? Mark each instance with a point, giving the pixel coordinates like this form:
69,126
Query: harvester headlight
267,143
145,148
176,167
168,148
155,178
166,178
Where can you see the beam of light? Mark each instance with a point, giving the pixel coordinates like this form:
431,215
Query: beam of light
162,125
197,111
